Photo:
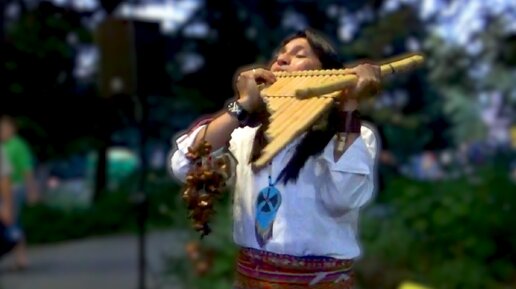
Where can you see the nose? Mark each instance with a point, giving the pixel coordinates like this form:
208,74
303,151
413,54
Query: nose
283,59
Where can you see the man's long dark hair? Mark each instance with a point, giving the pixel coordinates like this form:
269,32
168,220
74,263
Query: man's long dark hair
315,140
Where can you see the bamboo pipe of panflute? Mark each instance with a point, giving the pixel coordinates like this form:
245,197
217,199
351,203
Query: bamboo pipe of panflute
291,115
349,80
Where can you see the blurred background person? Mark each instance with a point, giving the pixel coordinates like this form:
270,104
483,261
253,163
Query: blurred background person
24,187
7,231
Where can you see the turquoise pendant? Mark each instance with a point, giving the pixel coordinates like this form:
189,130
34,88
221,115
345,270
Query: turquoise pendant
267,205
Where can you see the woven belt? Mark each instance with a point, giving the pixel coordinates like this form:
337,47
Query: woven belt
265,270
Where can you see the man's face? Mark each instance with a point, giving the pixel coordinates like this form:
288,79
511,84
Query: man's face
296,55
6,130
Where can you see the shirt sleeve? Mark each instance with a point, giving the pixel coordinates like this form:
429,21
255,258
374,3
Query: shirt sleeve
179,164
349,183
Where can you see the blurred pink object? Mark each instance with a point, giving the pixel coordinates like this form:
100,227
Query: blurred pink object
53,182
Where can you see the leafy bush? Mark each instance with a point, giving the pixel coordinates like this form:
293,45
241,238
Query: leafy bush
115,212
449,234
218,249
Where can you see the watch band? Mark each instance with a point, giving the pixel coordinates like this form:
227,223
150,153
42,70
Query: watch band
235,109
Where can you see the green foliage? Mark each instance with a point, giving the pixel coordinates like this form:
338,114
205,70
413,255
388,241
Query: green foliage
449,234
220,243
115,213
464,115
40,57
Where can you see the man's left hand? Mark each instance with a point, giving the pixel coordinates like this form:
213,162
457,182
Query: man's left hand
369,78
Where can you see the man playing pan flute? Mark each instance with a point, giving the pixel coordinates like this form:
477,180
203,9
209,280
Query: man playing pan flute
295,219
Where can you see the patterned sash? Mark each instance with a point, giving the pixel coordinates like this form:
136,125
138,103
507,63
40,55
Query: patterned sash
265,270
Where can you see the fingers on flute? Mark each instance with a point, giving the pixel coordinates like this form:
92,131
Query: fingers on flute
361,84
264,75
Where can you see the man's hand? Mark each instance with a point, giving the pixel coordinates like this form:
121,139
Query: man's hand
368,84
369,78
247,87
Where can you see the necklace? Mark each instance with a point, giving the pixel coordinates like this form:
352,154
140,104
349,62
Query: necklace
267,205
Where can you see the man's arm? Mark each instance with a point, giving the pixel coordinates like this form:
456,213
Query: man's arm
219,130
6,197
369,78
6,203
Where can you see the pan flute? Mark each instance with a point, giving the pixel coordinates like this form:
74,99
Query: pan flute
297,99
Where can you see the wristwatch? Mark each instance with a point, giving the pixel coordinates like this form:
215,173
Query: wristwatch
235,109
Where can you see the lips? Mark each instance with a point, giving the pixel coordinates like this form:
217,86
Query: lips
280,68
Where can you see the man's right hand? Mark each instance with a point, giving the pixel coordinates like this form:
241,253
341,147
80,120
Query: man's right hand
247,87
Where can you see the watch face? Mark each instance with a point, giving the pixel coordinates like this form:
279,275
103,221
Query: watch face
233,107
237,110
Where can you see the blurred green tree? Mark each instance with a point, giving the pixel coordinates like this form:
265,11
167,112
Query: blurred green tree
55,111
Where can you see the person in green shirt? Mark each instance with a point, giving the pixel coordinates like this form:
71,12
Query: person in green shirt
9,232
22,178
